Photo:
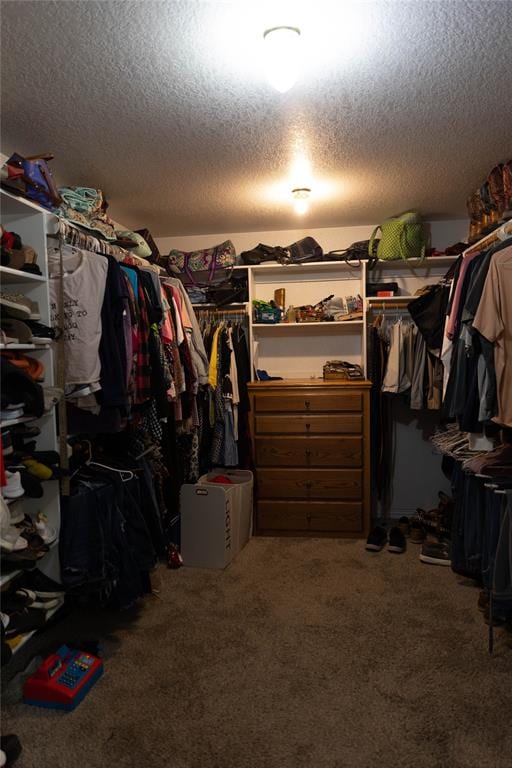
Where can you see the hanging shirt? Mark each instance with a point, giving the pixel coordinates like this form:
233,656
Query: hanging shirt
85,277
494,321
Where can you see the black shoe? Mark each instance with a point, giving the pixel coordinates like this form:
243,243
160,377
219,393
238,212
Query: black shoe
42,585
397,542
11,746
376,539
26,620
435,553
404,525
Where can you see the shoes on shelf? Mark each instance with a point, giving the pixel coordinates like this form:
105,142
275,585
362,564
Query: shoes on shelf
52,396
436,553
24,620
7,447
376,539
30,485
11,414
43,587
41,334
397,541
14,488
17,329
45,531
29,365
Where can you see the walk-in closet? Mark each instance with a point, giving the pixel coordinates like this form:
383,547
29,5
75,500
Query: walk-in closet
256,384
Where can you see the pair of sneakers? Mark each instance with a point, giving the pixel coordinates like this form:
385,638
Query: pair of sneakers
379,537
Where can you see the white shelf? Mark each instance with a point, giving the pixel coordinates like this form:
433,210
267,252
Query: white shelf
427,263
310,266
324,325
14,276
378,299
13,205
21,420
8,347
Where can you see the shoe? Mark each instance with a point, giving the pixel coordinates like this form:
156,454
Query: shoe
11,414
45,531
41,333
14,488
483,601
11,747
16,599
44,587
7,448
31,486
52,396
37,469
16,511
29,365
376,539
25,620
404,525
20,306
397,542
436,553
25,432
416,532
17,328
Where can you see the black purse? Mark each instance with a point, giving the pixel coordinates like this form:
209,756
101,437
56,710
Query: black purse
355,252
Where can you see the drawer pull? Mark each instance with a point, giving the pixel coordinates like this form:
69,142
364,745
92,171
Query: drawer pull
307,403
308,485
308,427
308,453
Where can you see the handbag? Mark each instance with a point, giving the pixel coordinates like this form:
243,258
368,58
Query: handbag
402,237
262,253
205,268
33,179
302,251
359,251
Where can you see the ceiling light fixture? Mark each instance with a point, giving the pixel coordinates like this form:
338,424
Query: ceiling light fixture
301,198
282,56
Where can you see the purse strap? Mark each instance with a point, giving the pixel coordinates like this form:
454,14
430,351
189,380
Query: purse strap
372,239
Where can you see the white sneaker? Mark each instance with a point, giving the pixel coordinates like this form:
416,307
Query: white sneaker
13,489
46,532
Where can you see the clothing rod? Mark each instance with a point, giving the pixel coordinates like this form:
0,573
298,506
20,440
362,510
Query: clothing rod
501,233
388,305
220,311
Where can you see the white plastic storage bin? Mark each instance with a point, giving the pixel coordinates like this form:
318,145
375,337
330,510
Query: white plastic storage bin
209,527
243,481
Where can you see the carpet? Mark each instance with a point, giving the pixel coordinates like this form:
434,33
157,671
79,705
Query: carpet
304,652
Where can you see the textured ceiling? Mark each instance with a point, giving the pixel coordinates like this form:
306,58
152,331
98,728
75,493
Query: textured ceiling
164,105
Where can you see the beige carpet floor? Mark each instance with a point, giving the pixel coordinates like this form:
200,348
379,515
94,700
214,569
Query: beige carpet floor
302,653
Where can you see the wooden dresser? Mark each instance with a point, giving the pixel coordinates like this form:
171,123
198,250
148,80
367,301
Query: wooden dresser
311,444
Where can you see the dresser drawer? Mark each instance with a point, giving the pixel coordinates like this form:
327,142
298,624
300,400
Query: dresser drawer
310,516
309,451
307,401
294,424
309,484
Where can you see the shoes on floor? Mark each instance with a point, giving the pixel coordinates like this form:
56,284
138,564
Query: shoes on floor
416,532
436,553
397,541
405,525
376,539
10,749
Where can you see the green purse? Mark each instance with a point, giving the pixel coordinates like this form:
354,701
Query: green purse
402,237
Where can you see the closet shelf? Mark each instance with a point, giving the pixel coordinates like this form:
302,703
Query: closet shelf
310,266
324,325
21,420
8,347
8,275
427,263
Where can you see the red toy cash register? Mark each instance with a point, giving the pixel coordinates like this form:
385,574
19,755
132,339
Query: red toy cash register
63,679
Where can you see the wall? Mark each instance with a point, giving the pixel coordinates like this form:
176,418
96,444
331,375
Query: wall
417,477
443,233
